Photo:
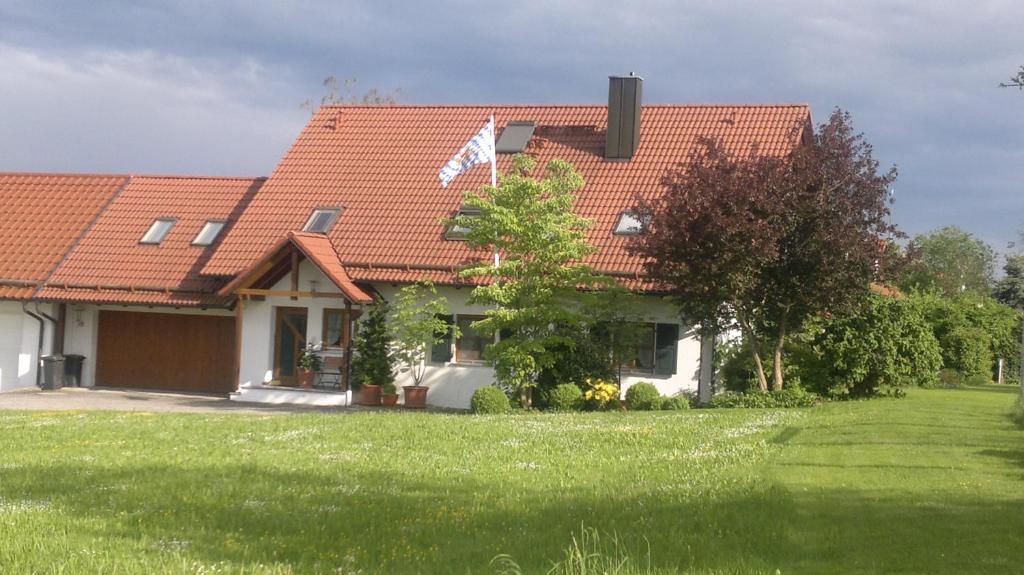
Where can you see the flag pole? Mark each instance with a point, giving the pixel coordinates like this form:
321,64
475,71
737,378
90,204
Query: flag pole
494,157
494,178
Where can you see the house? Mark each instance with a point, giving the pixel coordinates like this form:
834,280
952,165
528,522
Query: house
215,284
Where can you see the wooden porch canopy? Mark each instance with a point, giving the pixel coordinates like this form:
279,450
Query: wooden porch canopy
284,258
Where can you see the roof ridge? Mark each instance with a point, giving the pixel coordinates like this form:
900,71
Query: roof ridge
70,174
188,177
129,175
563,106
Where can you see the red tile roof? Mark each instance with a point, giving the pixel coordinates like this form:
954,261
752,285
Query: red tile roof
41,218
318,248
380,163
110,265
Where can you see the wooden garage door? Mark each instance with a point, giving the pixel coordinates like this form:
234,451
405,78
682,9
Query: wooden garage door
166,351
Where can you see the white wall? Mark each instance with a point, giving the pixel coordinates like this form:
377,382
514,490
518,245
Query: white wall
452,384
81,330
10,344
19,344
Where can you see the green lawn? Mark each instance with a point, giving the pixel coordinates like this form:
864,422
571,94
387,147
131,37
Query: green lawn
932,483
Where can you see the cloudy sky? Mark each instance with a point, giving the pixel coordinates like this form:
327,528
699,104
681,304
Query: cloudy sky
214,88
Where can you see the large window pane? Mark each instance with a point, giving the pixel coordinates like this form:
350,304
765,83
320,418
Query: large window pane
471,343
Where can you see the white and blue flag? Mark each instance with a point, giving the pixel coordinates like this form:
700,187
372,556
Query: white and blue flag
478,150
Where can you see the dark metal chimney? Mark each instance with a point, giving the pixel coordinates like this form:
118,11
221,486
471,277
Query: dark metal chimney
624,96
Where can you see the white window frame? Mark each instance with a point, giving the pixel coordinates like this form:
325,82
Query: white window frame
213,239
629,223
157,233
334,213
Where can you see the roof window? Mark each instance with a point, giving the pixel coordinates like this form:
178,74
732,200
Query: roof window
457,232
629,224
515,136
322,220
209,233
158,231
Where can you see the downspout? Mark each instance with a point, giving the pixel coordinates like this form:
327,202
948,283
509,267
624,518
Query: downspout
42,333
55,322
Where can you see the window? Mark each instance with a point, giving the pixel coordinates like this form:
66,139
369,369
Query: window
321,220
335,333
442,352
515,136
655,350
158,231
471,344
457,232
209,233
629,224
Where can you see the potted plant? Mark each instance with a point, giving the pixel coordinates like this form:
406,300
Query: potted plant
372,362
416,325
308,365
389,394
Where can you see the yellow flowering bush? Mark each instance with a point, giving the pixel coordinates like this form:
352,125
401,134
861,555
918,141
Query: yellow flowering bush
600,393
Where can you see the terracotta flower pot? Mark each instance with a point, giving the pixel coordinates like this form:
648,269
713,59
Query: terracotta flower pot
415,397
306,378
370,395
389,399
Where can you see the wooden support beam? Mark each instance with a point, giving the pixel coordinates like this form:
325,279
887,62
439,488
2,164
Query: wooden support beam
294,294
239,320
295,271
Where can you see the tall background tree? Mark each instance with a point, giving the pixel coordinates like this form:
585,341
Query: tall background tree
949,260
764,243
346,92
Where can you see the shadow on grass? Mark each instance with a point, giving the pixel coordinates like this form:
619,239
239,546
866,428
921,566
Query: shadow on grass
311,521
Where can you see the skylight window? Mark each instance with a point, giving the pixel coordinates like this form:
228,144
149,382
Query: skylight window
515,136
158,231
209,233
629,224
322,220
457,232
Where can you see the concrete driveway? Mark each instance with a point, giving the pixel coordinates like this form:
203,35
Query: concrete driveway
71,399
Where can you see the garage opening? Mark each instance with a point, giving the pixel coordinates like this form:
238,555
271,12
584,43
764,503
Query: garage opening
165,351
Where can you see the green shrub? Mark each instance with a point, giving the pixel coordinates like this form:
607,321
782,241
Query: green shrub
887,344
643,396
950,378
978,379
791,397
565,397
675,403
488,400
967,350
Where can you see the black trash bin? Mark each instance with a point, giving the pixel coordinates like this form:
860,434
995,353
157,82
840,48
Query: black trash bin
53,372
73,370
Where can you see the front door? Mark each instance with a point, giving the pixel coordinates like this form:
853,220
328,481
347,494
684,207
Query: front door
289,341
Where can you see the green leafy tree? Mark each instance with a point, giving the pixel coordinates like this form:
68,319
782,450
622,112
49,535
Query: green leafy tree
1009,289
999,327
373,363
417,324
949,260
535,246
